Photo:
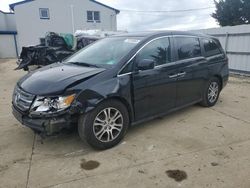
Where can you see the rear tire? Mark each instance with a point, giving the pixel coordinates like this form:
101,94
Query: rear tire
211,92
105,126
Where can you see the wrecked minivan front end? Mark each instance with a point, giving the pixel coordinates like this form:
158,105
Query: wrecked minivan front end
44,115
46,104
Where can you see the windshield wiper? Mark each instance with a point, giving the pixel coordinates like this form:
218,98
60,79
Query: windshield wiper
84,64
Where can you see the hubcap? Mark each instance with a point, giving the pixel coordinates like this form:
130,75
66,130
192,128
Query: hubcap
213,92
108,125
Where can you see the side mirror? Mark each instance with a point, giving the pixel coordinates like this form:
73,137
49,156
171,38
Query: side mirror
145,64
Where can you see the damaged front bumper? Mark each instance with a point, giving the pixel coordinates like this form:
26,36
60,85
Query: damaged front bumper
46,125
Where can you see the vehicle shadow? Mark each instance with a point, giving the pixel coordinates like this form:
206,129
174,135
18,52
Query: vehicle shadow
65,144
68,143
181,114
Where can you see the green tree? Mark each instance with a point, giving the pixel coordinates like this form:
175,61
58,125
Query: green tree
232,12
246,10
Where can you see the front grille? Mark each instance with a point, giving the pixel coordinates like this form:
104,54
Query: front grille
22,100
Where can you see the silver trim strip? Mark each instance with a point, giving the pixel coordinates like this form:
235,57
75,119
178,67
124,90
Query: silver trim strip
119,75
173,76
25,100
181,74
165,65
189,35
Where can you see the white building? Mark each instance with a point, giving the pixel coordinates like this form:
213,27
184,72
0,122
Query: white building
8,39
36,17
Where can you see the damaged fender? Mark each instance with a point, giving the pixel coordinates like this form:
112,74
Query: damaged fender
116,88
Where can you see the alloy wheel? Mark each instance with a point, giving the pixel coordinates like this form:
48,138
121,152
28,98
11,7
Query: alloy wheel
108,124
213,92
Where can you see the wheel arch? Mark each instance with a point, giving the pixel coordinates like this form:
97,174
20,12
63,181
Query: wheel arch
125,103
90,106
220,79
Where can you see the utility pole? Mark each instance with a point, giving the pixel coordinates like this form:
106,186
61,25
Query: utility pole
72,18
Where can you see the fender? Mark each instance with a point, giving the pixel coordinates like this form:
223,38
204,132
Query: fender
118,88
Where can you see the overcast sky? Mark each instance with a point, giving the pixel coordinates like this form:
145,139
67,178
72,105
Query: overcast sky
139,21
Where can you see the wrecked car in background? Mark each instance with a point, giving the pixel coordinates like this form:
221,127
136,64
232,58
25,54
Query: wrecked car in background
53,48
57,46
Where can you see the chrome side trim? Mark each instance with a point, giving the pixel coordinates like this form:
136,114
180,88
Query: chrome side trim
182,74
173,76
165,65
118,75
188,36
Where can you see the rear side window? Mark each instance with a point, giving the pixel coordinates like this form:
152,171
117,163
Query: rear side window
188,47
158,50
210,47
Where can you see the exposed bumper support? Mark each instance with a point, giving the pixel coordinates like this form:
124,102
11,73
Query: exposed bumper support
47,126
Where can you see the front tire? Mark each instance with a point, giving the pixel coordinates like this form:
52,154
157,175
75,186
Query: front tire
211,93
105,126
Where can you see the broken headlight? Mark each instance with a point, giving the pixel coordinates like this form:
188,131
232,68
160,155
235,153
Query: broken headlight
51,104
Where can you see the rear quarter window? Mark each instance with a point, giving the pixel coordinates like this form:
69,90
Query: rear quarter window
188,47
211,47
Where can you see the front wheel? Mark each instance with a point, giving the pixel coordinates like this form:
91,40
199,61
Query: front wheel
211,93
105,126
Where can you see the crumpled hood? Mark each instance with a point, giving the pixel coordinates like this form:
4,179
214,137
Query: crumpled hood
53,79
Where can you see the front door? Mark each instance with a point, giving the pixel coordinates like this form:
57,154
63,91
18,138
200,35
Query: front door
154,90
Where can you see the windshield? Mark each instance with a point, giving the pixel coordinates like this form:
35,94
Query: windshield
105,52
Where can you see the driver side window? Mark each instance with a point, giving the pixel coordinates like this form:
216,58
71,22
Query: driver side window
158,50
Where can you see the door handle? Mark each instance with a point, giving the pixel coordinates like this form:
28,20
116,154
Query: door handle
173,75
181,74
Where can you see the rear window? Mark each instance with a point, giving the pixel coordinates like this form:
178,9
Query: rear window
210,47
188,47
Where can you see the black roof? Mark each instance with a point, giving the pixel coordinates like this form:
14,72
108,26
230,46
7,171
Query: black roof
147,34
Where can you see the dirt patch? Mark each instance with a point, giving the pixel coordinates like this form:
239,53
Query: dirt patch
3,167
89,165
177,175
19,160
243,97
141,171
214,164
4,60
220,126
221,154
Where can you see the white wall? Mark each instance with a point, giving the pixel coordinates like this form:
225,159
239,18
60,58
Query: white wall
7,46
7,42
30,27
10,22
236,42
2,22
7,22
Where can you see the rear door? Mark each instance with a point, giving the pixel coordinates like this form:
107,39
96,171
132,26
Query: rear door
192,69
154,90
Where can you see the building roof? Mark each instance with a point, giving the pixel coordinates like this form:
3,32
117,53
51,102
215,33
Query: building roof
116,10
6,12
12,6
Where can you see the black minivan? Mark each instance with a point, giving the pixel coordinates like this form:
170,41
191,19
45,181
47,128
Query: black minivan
121,81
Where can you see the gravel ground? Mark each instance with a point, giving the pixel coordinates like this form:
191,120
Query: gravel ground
195,147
